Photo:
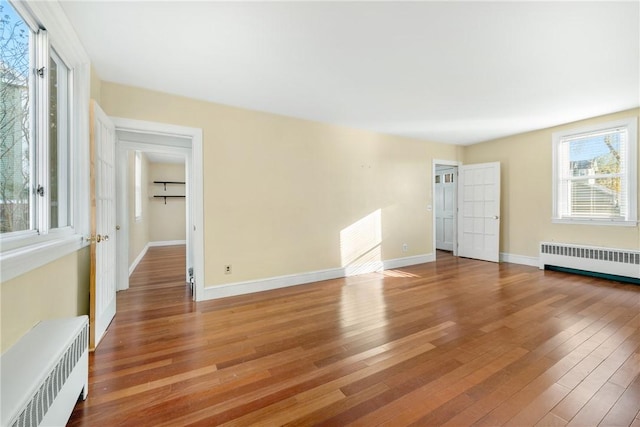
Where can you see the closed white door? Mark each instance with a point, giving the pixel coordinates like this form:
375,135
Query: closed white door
102,293
479,211
445,203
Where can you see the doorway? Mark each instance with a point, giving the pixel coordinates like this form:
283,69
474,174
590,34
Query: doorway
445,200
181,145
157,203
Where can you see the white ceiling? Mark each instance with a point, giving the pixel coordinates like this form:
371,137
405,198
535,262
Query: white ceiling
454,72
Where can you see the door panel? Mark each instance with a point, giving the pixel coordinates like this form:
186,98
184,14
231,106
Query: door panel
479,218
102,291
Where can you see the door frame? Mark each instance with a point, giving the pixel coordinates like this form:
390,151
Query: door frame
456,164
188,144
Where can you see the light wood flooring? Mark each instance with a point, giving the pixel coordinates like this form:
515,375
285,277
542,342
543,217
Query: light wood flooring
456,342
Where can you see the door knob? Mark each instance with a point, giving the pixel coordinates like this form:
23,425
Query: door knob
117,227
97,238
105,237
496,217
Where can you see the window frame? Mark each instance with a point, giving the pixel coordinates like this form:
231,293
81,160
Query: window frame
630,174
23,251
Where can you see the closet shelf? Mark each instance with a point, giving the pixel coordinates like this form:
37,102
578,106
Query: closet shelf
168,182
165,189
165,198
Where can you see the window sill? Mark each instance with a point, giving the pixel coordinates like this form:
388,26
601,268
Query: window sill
596,222
19,261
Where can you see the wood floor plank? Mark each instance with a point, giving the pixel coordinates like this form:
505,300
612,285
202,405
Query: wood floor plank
456,342
621,413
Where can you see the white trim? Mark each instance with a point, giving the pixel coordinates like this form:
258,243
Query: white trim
251,286
260,285
136,261
167,243
194,170
594,221
407,261
519,259
155,128
137,185
22,260
50,15
367,267
122,219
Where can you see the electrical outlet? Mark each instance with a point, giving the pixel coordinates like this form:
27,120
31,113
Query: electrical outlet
227,269
405,247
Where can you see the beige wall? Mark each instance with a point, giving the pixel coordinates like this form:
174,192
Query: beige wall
57,289
138,229
526,162
279,191
282,195
167,222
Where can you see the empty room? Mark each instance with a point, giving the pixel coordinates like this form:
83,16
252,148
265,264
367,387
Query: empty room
319,213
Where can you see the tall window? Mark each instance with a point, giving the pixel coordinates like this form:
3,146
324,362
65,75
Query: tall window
595,173
44,134
16,133
34,125
138,186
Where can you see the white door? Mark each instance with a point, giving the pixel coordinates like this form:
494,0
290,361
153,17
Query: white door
445,203
479,211
102,291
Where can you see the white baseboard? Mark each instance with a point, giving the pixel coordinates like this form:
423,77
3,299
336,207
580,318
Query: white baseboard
136,261
251,286
519,259
167,243
407,261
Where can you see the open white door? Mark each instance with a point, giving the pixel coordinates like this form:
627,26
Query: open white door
102,290
479,211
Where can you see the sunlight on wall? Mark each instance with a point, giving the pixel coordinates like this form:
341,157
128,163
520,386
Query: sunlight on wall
360,249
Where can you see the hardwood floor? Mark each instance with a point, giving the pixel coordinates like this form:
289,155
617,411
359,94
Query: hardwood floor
456,342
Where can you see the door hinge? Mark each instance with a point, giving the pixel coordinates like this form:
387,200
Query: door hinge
40,71
40,191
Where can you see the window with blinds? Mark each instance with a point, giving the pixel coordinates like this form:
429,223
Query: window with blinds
595,173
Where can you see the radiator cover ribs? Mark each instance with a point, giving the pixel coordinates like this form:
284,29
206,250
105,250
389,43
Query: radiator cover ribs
618,262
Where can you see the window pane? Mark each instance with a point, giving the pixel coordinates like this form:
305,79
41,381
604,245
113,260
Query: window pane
58,143
15,123
596,174
596,197
595,155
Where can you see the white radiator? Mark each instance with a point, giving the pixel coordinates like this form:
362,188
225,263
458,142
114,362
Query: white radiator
617,262
44,373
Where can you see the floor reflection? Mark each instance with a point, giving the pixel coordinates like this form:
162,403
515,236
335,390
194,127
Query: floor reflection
363,302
